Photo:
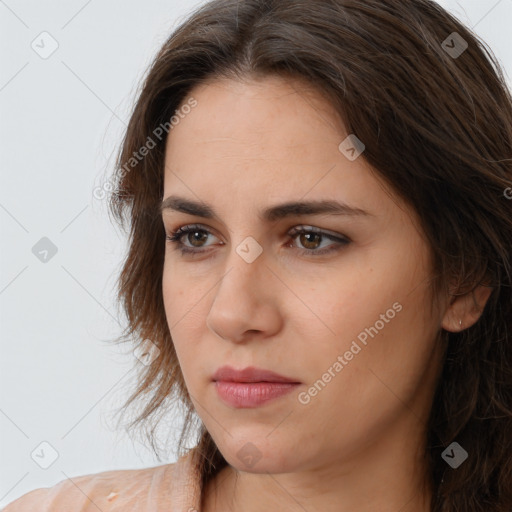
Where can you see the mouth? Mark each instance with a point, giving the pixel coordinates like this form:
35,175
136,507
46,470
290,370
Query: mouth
251,387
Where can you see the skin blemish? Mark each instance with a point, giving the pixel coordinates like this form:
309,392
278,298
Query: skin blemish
112,496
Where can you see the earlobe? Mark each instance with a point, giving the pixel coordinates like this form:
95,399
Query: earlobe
465,310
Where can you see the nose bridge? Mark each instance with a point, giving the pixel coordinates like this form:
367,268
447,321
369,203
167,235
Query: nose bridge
241,301
245,268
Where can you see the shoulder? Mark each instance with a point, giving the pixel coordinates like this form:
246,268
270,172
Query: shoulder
109,491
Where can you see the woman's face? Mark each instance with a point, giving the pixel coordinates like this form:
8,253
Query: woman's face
344,314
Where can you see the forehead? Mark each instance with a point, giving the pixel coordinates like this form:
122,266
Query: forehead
260,101
272,131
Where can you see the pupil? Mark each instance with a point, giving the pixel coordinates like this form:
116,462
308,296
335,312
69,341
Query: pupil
201,234
309,237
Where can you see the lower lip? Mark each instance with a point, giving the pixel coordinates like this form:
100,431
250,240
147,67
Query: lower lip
252,394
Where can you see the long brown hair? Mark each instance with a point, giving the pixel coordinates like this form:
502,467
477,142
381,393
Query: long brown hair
436,120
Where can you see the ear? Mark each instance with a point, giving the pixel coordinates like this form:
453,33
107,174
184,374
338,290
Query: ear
465,310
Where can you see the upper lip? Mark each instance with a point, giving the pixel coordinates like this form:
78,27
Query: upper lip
249,374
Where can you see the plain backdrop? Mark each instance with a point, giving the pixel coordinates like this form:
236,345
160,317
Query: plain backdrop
61,120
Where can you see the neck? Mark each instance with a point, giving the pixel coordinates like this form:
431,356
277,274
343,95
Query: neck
377,478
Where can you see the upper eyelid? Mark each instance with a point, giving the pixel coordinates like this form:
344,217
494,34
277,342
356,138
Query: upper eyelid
191,225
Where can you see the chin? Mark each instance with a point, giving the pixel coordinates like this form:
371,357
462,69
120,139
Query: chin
260,453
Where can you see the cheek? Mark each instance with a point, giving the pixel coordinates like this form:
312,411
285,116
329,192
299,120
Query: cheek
181,294
342,303
368,382
187,299
182,317
375,312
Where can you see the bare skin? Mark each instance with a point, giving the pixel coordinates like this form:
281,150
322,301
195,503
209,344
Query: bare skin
357,442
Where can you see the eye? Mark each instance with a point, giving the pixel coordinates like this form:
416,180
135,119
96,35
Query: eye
195,234
310,238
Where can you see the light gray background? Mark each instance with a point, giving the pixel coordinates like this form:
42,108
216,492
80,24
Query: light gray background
61,119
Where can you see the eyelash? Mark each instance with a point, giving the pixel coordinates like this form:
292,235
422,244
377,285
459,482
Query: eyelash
176,236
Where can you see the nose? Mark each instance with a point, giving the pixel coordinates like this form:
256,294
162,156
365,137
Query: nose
246,301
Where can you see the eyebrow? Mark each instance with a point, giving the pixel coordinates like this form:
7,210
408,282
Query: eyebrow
271,214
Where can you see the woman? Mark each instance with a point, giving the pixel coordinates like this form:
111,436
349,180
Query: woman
319,267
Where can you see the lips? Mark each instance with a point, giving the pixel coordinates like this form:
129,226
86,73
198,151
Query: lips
251,387
250,374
